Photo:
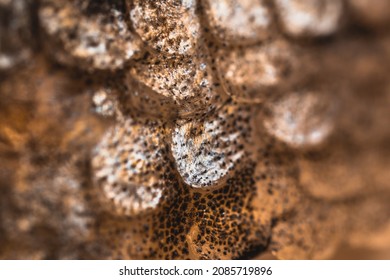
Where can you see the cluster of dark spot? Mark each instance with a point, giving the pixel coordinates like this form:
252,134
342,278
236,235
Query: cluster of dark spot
217,224
232,193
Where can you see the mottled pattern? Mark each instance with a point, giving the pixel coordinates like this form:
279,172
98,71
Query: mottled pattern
186,86
171,27
300,118
217,224
208,149
131,164
193,129
241,22
92,35
253,74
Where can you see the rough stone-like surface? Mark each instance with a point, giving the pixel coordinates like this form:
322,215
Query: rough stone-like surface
239,22
88,34
171,27
207,150
192,130
131,164
182,87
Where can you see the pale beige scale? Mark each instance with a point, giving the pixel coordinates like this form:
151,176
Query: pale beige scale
90,36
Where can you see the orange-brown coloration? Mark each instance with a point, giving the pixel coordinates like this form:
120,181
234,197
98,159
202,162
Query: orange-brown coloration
161,130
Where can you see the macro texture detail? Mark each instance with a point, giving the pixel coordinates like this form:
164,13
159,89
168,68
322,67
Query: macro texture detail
194,129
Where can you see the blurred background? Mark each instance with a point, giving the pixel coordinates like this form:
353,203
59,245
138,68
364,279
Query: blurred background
314,73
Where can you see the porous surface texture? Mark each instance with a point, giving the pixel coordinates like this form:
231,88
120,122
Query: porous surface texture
194,129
